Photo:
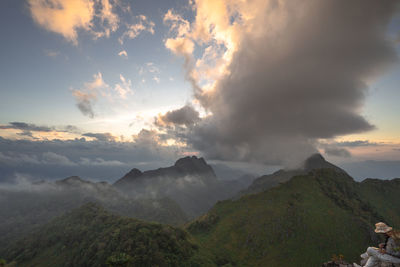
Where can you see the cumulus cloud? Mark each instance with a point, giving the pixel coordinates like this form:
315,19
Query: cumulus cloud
133,30
186,115
291,73
67,17
123,53
84,102
180,46
87,96
124,88
108,18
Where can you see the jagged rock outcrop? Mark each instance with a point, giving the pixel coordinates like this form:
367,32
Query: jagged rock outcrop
191,182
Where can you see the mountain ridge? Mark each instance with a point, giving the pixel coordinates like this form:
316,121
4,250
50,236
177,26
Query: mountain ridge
191,182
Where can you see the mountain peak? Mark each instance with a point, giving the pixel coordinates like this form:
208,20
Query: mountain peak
72,179
190,160
315,161
193,164
134,173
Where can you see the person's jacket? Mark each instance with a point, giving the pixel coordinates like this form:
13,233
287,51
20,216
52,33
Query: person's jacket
393,247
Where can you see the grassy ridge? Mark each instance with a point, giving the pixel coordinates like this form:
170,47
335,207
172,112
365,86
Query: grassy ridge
300,223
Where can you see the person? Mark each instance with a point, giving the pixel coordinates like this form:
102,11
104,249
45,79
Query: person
388,252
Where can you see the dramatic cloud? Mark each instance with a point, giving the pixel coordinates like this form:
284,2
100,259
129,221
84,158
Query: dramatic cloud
290,73
186,115
67,17
133,30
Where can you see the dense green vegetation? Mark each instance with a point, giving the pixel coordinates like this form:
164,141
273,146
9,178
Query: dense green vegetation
384,196
300,223
23,211
91,236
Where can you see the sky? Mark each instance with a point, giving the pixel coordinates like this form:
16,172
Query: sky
96,87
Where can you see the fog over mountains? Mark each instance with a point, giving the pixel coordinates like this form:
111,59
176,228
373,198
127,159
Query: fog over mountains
189,193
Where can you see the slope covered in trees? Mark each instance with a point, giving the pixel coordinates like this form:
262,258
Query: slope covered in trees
302,222
91,236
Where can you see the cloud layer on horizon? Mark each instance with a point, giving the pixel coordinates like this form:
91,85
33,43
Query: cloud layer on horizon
101,159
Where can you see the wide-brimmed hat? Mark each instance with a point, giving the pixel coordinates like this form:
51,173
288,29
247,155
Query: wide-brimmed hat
382,228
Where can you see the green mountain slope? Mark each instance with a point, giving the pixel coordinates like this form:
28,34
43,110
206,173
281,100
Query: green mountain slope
90,236
384,196
265,182
21,211
302,222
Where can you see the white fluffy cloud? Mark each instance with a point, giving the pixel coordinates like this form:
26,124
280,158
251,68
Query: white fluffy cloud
133,30
68,17
87,96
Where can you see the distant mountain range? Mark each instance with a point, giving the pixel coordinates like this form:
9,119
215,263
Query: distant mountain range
25,209
190,182
166,195
289,218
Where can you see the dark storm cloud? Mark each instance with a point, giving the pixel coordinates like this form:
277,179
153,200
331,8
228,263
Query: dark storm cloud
100,136
296,80
186,115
